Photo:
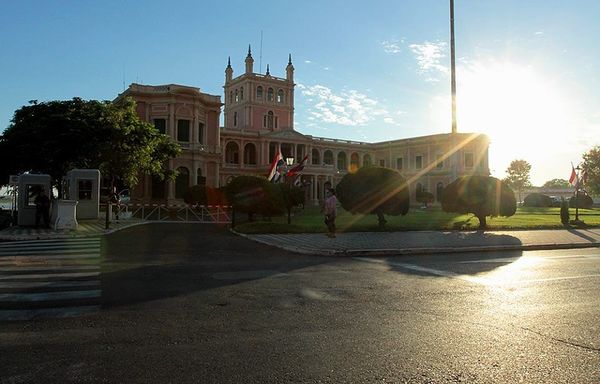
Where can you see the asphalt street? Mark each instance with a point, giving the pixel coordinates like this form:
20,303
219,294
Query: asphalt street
194,303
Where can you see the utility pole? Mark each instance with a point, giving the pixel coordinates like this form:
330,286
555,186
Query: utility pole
452,67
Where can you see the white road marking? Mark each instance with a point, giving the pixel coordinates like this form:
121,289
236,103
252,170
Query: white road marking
49,267
49,296
48,275
35,252
48,284
14,260
67,241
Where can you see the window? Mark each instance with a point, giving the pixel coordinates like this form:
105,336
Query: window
201,133
237,96
468,160
439,189
440,162
341,161
259,92
235,119
367,161
161,125
232,153
250,154
328,157
242,93
231,96
270,94
200,180
280,96
316,158
276,122
84,190
183,130
269,120
382,163
354,161
418,162
399,163
182,182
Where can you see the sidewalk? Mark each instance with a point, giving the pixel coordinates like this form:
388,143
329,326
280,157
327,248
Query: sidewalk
426,242
86,228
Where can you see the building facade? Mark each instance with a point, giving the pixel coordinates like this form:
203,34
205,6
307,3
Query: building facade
259,121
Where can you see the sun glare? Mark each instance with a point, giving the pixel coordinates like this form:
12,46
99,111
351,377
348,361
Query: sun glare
523,112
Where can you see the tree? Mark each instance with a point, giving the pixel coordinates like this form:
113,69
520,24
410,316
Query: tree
583,201
518,176
254,195
480,195
424,197
591,165
291,196
556,183
374,190
56,136
537,200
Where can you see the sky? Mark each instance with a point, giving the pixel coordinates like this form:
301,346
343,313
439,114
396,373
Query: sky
527,71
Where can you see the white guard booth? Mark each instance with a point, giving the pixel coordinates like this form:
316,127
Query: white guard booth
83,185
29,187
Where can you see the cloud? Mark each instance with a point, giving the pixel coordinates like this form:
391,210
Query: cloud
429,56
348,107
307,61
392,46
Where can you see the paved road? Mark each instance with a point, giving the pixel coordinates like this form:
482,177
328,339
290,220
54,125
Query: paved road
196,304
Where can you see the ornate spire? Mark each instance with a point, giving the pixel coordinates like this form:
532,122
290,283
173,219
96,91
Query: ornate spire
229,62
249,51
268,73
290,59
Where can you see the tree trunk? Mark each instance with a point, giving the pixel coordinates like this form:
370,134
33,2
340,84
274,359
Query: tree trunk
381,220
289,212
482,222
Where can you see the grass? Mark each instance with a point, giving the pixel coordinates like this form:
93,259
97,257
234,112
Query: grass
310,220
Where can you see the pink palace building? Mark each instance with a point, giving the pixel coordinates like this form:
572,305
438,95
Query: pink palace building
259,120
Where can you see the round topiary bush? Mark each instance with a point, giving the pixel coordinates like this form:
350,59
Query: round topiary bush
537,200
374,190
480,195
585,201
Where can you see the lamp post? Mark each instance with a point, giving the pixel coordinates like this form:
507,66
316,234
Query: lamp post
577,196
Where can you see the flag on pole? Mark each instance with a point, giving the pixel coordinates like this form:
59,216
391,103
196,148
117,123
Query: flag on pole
298,168
274,175
573,179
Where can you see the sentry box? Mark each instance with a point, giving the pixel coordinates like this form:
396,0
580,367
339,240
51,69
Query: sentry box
83,185
30,186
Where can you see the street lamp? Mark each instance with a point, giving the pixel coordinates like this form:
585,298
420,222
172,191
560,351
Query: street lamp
289,161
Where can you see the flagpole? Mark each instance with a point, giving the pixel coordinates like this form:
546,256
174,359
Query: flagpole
452,67
577,196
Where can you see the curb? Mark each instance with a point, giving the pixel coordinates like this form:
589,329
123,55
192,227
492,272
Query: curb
418,251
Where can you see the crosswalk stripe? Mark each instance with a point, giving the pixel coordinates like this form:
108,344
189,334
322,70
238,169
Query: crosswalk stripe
28,314
49,284
48,247
12,260
49,296
49,267
48,275
53,241
33,252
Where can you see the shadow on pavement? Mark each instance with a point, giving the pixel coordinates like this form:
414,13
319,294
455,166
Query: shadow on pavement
582,235
159,261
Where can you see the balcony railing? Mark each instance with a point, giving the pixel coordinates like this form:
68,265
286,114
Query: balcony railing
186,145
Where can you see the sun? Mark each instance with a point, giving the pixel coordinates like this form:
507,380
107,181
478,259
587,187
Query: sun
522,110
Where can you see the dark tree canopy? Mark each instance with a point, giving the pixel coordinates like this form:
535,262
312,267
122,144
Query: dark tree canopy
374,190
480,195
254,195
56,136
291,196
585,201
537,200
556,183
591,165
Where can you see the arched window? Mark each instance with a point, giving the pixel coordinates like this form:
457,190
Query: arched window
200,180
237,96
270,94
341,161
280,96
259,92
250,154
316,158
242,93
268,120
328,157
231,96
354,161
367,160
235,119
439,189
232,153
182,182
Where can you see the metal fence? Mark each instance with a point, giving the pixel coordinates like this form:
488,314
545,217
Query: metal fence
175,213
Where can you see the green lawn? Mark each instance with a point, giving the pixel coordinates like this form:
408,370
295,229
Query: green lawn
310,220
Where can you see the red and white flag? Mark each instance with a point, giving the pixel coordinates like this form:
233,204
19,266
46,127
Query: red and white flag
297,168
573,179
277,162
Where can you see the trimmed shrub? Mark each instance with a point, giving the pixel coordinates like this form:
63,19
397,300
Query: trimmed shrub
480,195
254,195
585,201
291,196
537,200
374,190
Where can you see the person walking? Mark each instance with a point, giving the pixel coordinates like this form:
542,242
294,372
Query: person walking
330,212
42,209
